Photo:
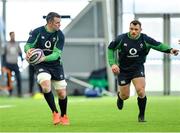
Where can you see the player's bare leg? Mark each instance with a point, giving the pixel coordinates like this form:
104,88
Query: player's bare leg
122,94
139,84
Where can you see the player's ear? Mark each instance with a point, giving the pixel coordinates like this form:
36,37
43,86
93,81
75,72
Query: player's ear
140,29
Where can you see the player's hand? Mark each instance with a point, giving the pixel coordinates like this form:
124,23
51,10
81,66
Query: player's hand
41,59
174,52
115,69
28,53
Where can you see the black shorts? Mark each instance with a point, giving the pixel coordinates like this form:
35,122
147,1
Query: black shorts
56,72
125,77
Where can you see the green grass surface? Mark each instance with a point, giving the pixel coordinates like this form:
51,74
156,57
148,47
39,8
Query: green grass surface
91,115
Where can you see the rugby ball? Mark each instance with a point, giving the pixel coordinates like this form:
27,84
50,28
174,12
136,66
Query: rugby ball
35,56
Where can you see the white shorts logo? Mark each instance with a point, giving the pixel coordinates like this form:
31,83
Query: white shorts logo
123,82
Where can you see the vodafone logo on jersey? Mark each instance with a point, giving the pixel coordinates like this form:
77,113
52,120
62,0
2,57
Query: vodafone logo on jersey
48,44
132,53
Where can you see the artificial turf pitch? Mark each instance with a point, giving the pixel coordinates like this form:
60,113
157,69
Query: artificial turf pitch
91,115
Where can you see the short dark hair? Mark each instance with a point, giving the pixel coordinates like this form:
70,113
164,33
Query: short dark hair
12,32
51,15
135,22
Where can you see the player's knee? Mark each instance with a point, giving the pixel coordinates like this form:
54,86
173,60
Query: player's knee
44,80
61,93
45,87
60,87
124,96
141,92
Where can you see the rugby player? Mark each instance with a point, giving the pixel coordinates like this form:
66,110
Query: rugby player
50,39
133,47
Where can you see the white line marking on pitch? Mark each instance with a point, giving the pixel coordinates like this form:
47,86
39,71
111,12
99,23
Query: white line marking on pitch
6,106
